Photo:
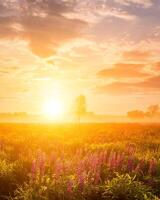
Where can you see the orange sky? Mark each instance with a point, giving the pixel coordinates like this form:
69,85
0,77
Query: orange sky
108,50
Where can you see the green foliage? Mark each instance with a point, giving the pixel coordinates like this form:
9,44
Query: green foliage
124,187
11,175
43,188
7,182
93,193
55,162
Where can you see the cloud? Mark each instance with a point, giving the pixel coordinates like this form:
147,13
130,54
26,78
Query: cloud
123,70
95,11
56,31
136,55
41,23
143,3
156,66
150,85
117,88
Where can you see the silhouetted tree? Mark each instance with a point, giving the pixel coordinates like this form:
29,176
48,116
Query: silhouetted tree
80,107
153,111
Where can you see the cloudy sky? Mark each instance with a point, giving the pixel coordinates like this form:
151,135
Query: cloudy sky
108,50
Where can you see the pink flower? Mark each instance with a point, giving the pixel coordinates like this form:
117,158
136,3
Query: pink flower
70,186
152,167
139,166
81,181
33,169
42,160
97,177
130,164
131,149
58,168
120,159
112,160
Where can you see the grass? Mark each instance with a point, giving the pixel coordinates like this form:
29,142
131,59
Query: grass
57,162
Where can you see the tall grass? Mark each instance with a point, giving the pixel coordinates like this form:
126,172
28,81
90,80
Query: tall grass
56,162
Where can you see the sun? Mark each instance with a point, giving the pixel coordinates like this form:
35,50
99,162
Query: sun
53,108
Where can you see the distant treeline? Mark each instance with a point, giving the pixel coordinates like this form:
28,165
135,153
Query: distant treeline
15,114
153,111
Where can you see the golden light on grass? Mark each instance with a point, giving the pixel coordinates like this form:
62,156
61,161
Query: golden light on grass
53,108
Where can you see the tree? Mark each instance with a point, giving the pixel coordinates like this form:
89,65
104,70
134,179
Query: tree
80,106
153,110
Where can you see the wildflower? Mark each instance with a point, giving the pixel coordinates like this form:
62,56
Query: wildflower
97,177
81,180
139,167
42,164
112,160
95,162
152,167
70,186
130,164
120,158
131,149
33,169
58,168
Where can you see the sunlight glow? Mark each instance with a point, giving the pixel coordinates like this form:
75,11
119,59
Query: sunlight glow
53,108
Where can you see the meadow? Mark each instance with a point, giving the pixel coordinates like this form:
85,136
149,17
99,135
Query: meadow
80,162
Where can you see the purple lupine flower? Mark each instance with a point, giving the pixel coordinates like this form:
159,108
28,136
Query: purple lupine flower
120,159
33,170
130,165
53,157
42,160
102,159
109,159
70,186
80,175
152,167
112,160
139,166
58,168
97,177
131,149
81,180
95,162
104,156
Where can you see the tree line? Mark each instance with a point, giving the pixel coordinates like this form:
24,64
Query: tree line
152,111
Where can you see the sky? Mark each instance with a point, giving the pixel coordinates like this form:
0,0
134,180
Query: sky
107,50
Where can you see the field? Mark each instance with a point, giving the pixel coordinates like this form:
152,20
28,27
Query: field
86,162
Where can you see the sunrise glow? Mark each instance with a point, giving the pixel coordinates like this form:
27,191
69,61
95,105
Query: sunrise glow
106,50
79,99
53,108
